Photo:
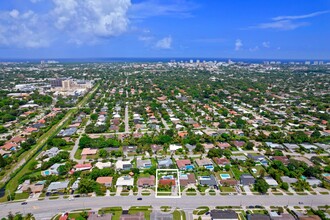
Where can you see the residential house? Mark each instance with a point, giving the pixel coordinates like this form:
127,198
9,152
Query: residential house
184,164
52,152
288,180
33,188
312,181
208,146
55,187
94,216
82,167
205,162
123,165
146,181
155,148
165,163
224,215
223,145
271,181
67,132
258,217
238,144
274,145
283,159
282,216
143,164
221,161
187,179
9,146
88,152
174,147
208,180
190,147
129,149
239,158
105,180
102,165
247,179
167,182
125,181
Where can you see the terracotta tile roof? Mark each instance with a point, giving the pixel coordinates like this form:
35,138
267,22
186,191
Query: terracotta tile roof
104,180
166,182
9,145
182,163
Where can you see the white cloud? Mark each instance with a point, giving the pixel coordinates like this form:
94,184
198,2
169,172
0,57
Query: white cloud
281,25
14,13
266,44
238,44
288,22
165,43
23,30
89,19
150,8
294,17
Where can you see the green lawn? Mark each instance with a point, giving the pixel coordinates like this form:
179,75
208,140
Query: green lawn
19,196
77,155
177,214
145,209
227,189
115,211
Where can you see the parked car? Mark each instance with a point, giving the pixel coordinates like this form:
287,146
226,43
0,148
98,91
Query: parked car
23,203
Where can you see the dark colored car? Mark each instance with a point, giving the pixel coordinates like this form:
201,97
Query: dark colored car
76,196
139,198
23,203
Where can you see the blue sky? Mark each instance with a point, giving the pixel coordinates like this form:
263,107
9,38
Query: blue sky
274,29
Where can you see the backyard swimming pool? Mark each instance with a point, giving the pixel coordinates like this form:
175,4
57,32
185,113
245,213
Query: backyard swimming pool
224,176
189,167
209,167
46,173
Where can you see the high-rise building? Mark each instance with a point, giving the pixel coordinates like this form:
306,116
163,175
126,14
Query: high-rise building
56,82
66,84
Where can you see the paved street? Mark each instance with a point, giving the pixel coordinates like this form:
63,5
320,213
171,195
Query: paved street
46,208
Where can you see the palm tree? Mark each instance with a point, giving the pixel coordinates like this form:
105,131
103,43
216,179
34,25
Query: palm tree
29,216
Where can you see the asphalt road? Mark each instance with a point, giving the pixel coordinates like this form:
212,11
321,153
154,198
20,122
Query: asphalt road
47,208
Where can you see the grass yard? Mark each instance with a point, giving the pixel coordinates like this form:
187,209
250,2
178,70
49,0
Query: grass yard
115,211
19,196
77,155
227,189
179,215
145,209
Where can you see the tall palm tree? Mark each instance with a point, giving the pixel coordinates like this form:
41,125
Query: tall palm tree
29,216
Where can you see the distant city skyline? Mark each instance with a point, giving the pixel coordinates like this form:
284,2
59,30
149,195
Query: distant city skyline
255,29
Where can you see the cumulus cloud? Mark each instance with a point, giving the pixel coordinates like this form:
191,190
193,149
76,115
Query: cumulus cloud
76,21
238,44
89,19
23,29
266,44
165,43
